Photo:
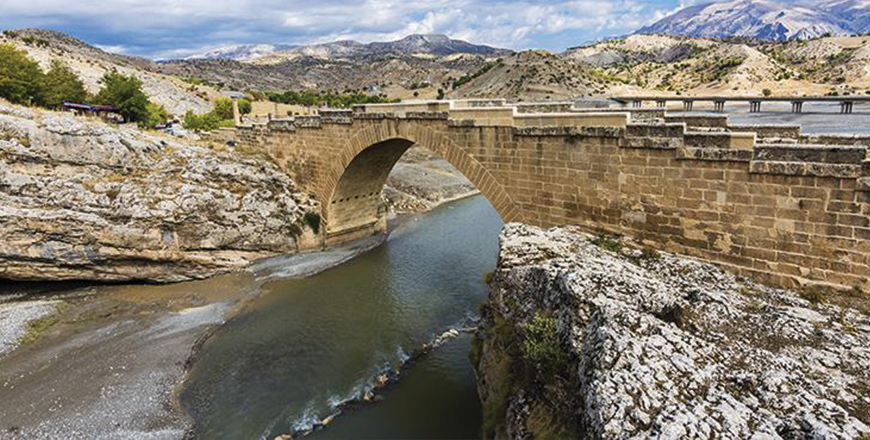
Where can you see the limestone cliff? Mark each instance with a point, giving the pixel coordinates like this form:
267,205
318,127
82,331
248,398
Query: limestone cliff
80,199
585,338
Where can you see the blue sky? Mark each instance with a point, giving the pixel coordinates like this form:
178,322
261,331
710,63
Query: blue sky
173,28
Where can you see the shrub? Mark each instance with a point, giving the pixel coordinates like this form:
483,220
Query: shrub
312,99
223,108
62,84
540,346
766,92
608,242
157,114
488,277
21,79
207,122
124,93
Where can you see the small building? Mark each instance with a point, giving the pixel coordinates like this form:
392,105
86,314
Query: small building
102,111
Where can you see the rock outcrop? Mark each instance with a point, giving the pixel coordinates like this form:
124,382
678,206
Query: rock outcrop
421,181
80,199
585,338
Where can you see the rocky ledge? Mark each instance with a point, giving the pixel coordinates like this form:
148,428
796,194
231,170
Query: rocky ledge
587,338
80,199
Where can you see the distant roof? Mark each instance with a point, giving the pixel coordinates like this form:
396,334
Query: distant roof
234,95
91,108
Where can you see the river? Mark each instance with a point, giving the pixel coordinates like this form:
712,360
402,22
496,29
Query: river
307,344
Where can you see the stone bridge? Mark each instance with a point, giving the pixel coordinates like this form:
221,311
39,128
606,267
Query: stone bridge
766,201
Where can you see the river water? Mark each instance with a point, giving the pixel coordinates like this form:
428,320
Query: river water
307,344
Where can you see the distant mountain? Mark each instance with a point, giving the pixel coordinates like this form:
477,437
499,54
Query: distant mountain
426,45
240,52
767,20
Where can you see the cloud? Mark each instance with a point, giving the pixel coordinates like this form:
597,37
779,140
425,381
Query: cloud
171,28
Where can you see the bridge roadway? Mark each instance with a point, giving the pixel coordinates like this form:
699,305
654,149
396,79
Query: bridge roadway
847,103
766,201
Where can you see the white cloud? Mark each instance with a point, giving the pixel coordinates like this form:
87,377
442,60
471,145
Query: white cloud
171,27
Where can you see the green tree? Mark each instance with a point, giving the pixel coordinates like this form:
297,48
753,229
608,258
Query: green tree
223,108
157,114
125,93
21,79
62,84
766,92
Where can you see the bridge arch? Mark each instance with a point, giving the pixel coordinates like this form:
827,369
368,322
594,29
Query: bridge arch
352,204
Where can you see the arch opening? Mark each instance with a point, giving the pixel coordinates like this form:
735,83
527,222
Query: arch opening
355,205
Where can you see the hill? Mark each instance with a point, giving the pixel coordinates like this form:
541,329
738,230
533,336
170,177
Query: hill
433,45
91,63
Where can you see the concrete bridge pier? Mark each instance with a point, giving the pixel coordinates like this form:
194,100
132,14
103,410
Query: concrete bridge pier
719,106
637,104
661,103
754,106
846,107
688,105
797,106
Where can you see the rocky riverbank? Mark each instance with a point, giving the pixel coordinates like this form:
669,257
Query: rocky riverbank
588,338
80,199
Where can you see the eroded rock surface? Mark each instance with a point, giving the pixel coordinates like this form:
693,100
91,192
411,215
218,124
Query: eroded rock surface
648,345
421,181
80,199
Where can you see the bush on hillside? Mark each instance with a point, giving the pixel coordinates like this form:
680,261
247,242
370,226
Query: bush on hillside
223,108
124,93
207,122
157,115
21,79
62,84
333,100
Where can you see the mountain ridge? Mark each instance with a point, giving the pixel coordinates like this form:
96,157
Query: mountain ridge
413,44
772,20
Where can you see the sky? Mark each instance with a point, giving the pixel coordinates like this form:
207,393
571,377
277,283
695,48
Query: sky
164,29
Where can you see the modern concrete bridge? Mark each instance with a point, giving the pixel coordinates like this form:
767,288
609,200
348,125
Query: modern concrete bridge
767,201
847,103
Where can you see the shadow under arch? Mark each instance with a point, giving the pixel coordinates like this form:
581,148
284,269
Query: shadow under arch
353,207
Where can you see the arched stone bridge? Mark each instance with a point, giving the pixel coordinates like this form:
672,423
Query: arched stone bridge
767,201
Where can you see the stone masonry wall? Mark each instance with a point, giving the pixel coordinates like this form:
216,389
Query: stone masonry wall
787,216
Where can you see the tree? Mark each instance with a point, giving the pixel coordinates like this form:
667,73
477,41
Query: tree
766,92
157,114
223,108
124,93
21,79
62,84
245,106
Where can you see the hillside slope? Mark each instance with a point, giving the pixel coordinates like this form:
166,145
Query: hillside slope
91,63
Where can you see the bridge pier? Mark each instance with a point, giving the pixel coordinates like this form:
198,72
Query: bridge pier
637,103
797,106
754,106
846,107
719,106
661,103
688,105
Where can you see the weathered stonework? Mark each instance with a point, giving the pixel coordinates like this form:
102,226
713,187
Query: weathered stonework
787,215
